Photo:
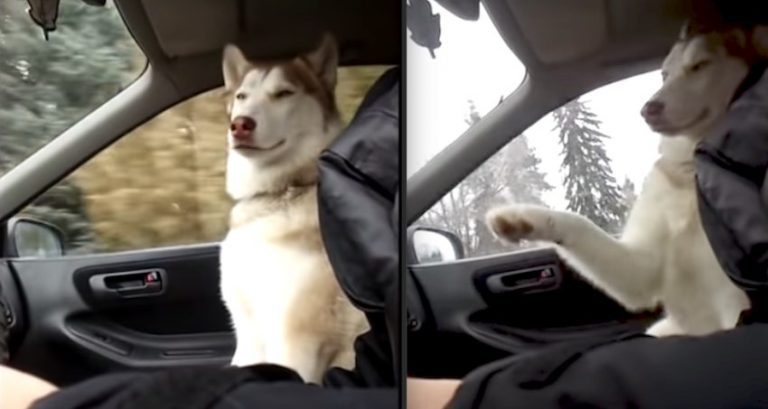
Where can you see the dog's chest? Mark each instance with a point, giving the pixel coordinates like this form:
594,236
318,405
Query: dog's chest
692,272
270,259
682,213
674,196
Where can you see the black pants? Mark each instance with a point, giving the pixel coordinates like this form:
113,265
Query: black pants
260,386
724,370
372,384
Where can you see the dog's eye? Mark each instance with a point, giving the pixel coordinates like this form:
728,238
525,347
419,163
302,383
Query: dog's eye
282,94
664,75
241,96
698,66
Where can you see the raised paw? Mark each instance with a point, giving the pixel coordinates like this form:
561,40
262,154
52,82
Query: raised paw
519,222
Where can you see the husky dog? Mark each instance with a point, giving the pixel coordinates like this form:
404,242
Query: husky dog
286,305
663,257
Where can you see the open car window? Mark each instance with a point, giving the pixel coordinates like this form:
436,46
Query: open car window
472,65
47,86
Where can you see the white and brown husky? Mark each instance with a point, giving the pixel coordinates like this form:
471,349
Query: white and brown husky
286,305
663,257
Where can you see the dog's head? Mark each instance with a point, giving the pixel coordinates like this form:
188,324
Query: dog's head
700,77
280,112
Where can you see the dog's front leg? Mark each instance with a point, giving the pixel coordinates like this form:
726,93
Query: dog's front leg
248,351
664,328
625,271
249,348
300,352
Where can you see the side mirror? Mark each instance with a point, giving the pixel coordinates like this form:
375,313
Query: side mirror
429,245
28,237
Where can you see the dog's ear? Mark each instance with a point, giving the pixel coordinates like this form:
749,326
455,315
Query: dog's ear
685,31
760,41
736,37
234,66
324,60
735,41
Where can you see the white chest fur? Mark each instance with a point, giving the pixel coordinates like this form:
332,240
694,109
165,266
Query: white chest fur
272,253
694,290
278,286
277,283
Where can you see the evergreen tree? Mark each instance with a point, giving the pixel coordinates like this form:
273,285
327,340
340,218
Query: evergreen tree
591,188
47,86
63,207
628,191
512,174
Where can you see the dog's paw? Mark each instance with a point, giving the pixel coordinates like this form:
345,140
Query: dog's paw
520,222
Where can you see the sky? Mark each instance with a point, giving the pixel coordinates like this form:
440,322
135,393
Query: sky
474,63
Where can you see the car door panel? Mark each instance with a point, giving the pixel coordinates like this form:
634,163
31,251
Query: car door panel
75,326
503,305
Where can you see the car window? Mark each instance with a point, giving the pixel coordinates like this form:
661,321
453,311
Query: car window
162,184
589,156
47,86
472,65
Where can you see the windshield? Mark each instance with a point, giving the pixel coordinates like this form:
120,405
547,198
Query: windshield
47,86
472,71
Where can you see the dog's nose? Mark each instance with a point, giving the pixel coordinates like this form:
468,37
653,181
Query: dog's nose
242,127
652,108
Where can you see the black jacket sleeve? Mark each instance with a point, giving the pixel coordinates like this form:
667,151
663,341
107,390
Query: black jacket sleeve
731,166
358,210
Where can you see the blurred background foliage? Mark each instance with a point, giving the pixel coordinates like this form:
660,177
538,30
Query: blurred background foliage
160,185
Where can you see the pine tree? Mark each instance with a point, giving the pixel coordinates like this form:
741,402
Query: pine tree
591,188
46,87
628,192
512,174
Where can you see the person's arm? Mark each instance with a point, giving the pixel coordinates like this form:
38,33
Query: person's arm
430,393
19,390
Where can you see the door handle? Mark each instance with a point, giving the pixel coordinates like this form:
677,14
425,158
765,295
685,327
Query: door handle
130,284
524,280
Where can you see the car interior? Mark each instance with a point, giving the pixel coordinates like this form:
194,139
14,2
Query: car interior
73,317
500,305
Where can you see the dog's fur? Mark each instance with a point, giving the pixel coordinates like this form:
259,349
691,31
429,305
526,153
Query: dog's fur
286,305
663,257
